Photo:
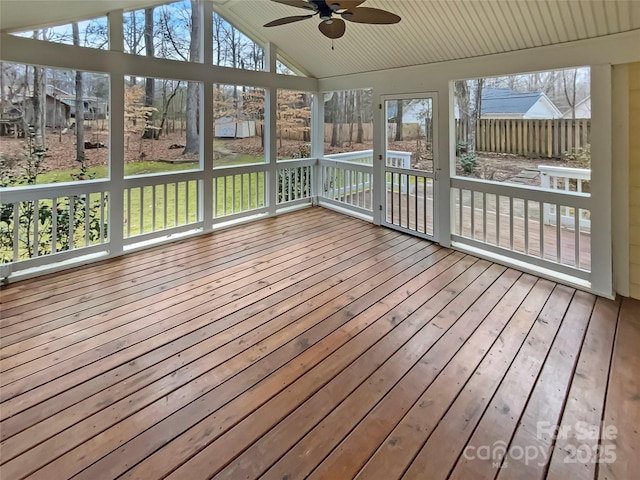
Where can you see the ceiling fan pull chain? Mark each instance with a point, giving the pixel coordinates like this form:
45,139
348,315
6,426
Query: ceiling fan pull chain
332,44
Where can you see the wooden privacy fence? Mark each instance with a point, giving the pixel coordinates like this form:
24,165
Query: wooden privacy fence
545,138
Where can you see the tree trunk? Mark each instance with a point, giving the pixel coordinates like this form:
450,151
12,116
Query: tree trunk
192,144
462,95
38,100
399,116
360,134
335,141
79,103
149,86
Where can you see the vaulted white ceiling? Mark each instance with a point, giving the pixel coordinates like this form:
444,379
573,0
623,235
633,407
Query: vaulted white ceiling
430,31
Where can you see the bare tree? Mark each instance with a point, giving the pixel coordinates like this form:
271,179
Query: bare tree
192,144
569,87
399,115
38,102
79,103
149,86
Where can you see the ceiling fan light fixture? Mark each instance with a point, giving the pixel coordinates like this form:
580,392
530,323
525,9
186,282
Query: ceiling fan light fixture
325,18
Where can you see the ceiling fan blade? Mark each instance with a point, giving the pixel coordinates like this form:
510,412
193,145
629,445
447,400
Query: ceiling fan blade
297,3
285,20
370,15
337,5
333,30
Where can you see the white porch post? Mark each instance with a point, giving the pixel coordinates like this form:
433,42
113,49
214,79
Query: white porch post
379,148
270,134
317,141
116,139
206,122
601,254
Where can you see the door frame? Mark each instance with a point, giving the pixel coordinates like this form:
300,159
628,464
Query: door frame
440,167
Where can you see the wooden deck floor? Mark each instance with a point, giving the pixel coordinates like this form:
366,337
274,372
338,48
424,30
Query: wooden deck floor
313,345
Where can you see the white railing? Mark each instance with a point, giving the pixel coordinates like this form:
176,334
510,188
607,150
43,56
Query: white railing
40,225
239,190
346,184
409,200
161,205
153,208
395,158
506,220
565,179
295,181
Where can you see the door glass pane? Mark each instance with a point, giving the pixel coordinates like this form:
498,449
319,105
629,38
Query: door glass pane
410,133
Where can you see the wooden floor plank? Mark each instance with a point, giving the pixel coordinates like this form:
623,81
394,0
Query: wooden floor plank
227,317
459,276
242,334
262,454
576,450
308,344
545,405
75,279
404,440
622,407
91,303
231,278
477,329
176,399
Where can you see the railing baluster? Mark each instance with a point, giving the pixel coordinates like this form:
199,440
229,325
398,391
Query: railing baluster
87,207
164,207
175,204
558,232
405,177
129,214
473,214
16,231
460,209
542,206
141,211
484,216
526,227
72,216
497,220
153,208
36,223
415,179
576,226
511,223
54,225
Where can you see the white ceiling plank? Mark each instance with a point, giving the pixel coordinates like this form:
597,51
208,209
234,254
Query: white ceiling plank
430,30
635,14
569,22
543,28
558,22
578,16
547,15
612,16
600,17
522,23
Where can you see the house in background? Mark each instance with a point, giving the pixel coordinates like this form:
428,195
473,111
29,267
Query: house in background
582,110
506,103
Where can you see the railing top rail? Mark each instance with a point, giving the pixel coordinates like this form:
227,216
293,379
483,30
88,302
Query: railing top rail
578,173
525,192
356,154
34,192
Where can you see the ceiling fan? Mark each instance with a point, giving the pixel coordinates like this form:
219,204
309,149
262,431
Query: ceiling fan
327,10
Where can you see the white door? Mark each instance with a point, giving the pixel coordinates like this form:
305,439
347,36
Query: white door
410,164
